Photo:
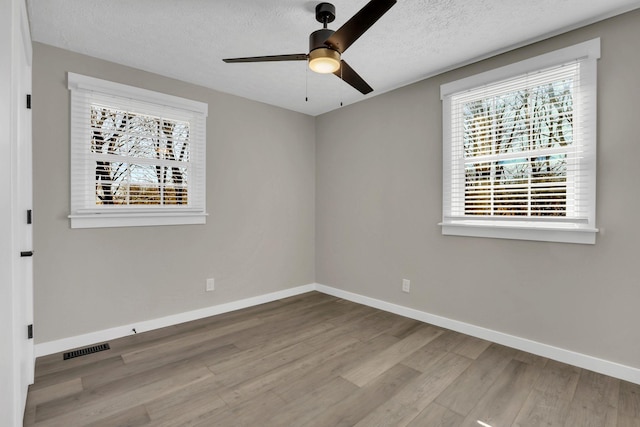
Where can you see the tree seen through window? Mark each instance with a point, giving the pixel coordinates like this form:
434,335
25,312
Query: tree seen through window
140,159
513,144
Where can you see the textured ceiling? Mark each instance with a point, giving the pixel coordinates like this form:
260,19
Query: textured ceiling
187,39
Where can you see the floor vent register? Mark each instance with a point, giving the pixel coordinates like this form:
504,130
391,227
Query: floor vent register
85,351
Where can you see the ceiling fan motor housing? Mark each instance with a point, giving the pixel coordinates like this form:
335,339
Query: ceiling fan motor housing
318,37
322,58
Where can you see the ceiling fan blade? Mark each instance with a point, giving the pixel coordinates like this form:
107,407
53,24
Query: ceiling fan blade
358,24
349,75
292,57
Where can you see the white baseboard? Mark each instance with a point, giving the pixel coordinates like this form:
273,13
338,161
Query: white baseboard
84,340
595,364
580,360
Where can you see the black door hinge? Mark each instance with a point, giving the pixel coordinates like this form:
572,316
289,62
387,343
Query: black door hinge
30,331
28,101
29,216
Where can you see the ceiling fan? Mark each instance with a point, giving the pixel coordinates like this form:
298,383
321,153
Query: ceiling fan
326,46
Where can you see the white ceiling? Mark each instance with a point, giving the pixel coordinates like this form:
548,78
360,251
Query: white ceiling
416,39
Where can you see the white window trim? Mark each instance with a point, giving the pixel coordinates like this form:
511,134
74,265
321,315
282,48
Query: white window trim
84,216
550,230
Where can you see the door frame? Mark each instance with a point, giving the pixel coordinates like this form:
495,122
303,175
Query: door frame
16,287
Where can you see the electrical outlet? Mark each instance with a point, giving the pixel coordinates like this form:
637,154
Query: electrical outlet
406,285
211,284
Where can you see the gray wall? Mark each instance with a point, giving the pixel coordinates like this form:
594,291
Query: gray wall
379,199
259,236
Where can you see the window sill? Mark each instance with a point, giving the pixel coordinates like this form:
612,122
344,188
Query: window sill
104,220
522,230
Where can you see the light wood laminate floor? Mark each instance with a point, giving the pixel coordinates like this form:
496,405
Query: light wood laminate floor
315,360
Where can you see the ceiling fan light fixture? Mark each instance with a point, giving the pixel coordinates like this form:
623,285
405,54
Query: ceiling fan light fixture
324,60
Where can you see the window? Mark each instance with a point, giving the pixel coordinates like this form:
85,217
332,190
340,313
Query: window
137,156
519,146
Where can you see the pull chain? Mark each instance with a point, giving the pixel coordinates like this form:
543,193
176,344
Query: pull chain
341,86
306,84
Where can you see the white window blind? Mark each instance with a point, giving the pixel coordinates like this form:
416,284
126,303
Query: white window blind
519,150
137,156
